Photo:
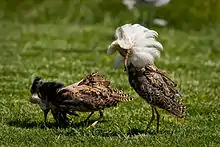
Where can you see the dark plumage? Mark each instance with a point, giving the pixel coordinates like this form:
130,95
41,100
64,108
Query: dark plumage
138,48
157,89
91,94
43,93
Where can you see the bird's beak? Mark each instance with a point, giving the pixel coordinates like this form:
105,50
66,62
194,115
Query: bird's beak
126,60
34,99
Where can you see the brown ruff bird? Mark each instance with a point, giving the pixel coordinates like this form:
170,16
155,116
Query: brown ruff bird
138,48
91,94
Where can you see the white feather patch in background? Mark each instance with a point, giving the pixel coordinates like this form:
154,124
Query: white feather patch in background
132,3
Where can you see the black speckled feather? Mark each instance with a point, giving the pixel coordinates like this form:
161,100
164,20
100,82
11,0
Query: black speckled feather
158,90
92,94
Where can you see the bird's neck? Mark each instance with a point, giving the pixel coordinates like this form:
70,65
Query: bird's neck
49,90
153,68
133,71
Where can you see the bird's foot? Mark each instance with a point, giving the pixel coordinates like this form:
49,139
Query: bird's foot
92,125
146,132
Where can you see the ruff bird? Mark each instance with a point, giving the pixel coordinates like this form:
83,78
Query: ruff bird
93,93
138,48
43,93
151,6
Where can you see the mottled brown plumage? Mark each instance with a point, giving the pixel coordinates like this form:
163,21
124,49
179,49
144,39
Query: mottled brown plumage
93,93
157,89
138,47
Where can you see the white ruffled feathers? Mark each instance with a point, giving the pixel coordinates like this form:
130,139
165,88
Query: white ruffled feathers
140,40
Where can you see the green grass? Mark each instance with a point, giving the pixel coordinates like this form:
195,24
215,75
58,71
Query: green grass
68,50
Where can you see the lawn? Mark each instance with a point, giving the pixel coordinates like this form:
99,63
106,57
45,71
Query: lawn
66,47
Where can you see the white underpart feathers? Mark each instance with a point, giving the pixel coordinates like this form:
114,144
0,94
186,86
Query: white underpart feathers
34,99
140,40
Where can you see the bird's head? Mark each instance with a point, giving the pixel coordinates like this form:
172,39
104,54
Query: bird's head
43,92
136,45
35,88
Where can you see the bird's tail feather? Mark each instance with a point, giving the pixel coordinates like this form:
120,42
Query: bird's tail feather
176,108
124,99
120,95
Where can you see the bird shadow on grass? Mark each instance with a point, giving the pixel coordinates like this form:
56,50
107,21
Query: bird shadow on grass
83,123
28,124
109,134
86,126
134,132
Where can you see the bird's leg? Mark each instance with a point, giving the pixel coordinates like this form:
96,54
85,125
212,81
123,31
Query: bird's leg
151,120
158,119
45,117
59,116
55,113
100,117
65,118
89,116
62,119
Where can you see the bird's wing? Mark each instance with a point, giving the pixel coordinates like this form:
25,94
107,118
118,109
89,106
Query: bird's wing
95,79
161,91
163,83
90,80
158,90
92,98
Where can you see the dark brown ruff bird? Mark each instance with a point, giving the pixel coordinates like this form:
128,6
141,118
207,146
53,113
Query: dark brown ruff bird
91,94
138,48
157,89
